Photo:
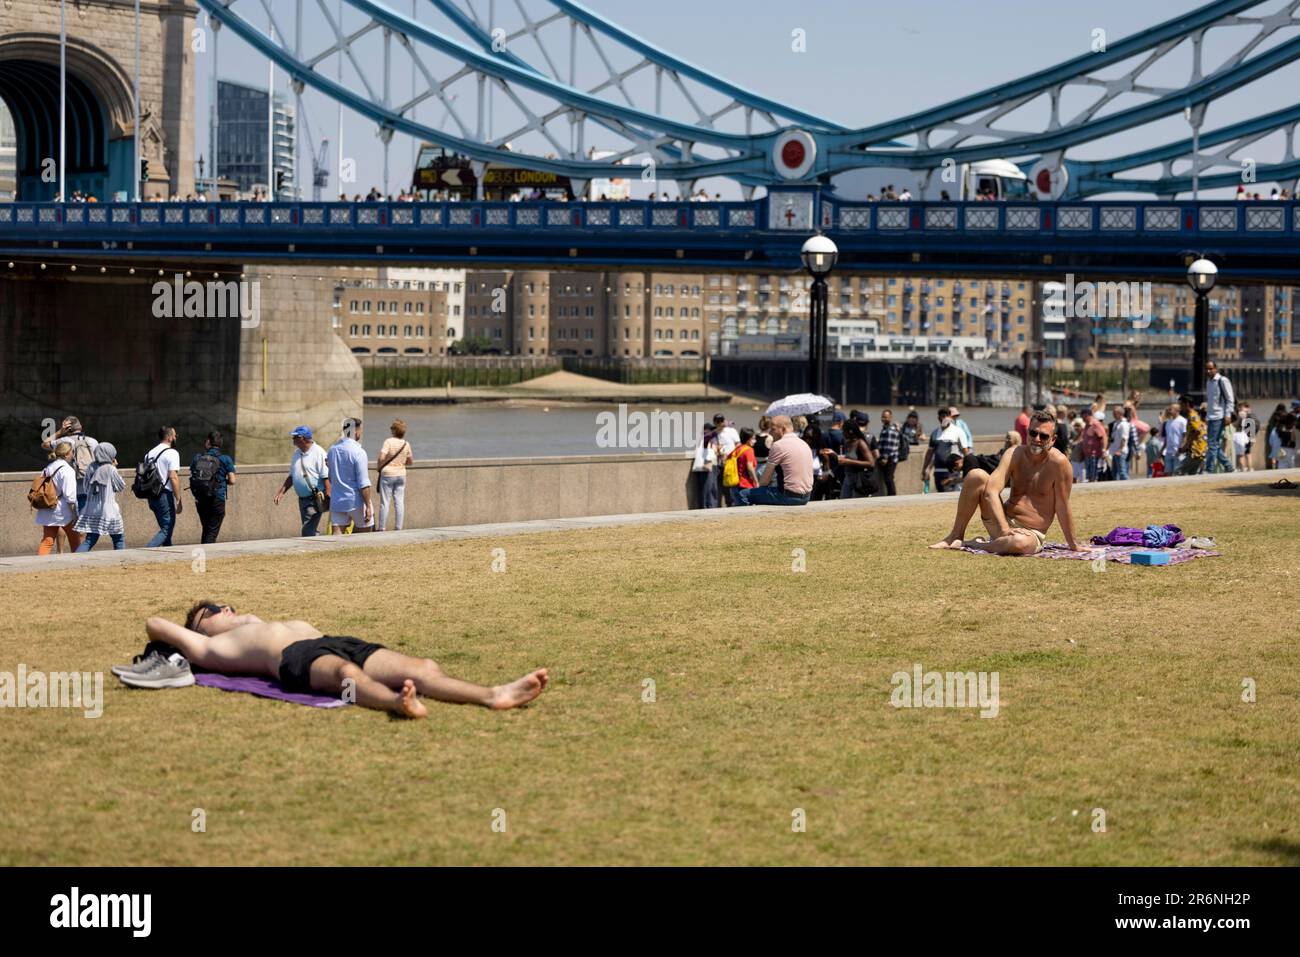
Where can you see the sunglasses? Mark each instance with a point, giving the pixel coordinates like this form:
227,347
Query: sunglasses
1041,436
212,610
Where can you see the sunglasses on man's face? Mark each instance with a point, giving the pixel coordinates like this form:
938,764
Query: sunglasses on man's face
1041,436
212,610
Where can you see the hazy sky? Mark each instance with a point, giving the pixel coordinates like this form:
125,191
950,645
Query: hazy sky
865,61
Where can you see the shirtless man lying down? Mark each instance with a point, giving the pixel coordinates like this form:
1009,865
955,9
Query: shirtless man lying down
1040,480
302,659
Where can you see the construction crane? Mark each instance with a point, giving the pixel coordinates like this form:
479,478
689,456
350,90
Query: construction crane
320,174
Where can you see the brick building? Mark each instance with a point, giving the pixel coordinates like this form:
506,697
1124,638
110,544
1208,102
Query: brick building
393,311
637,314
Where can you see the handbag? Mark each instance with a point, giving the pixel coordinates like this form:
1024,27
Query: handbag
392,458
697,465
320,498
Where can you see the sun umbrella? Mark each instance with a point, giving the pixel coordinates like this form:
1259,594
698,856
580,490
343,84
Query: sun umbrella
805,403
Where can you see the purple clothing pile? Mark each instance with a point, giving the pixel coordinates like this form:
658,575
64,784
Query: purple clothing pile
1153,536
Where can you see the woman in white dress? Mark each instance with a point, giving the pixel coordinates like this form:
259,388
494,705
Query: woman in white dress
63,513
102,516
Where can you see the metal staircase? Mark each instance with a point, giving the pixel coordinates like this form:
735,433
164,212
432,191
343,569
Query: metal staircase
1004,389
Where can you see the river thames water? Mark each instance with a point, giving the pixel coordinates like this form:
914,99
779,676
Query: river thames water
494,430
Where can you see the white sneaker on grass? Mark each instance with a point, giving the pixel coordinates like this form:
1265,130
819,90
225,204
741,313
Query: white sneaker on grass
139,664
171,672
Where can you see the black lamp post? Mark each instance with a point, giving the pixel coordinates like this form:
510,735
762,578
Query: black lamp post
1201,276
1128,349
819,256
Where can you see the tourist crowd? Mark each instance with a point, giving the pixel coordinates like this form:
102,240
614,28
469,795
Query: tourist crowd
75,497
376,195
790,461
1215,435
784,461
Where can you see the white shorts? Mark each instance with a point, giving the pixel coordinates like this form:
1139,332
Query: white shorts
357,515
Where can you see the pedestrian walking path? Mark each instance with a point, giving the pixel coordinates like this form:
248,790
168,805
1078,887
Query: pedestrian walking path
319,544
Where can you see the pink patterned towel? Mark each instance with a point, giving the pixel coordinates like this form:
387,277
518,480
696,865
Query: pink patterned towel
1112,553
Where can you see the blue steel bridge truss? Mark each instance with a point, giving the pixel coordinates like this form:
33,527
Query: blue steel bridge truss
564,80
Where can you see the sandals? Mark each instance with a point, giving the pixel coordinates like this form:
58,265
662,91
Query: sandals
1284,483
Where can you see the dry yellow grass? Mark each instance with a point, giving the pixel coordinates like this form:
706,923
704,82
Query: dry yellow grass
1119,691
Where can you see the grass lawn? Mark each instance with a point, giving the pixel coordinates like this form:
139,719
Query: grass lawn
1120,690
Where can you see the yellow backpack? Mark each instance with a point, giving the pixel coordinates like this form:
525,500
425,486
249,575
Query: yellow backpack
731,468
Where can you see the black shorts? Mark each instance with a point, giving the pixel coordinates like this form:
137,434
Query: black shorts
296,659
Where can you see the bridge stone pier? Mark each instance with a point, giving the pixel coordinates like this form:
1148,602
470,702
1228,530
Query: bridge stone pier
92,346
100,110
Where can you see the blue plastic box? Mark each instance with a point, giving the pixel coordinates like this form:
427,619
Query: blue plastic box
1150,558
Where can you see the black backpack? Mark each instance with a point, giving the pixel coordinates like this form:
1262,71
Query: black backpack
148,483
1061,441
904,447
204,474
989,463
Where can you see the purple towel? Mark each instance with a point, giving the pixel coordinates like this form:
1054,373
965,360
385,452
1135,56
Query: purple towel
264,688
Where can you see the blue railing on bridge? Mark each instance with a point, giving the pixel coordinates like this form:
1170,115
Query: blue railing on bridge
1203,220
394,216
1066,219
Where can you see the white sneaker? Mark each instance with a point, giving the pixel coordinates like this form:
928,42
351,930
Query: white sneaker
170,672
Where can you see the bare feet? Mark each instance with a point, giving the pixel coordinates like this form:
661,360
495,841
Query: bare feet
948,542
519,692
408,703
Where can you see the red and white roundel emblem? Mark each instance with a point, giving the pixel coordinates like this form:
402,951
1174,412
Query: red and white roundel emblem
794,153
1049,180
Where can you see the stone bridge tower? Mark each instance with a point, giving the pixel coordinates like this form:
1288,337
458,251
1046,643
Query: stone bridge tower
100,112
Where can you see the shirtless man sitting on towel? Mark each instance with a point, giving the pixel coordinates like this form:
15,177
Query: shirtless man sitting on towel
1040,480
302,659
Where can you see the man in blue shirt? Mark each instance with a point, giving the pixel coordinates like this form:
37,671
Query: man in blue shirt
1220,403
349,470
210,473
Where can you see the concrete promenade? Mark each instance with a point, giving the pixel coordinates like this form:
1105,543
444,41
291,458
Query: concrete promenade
305,546
440,493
